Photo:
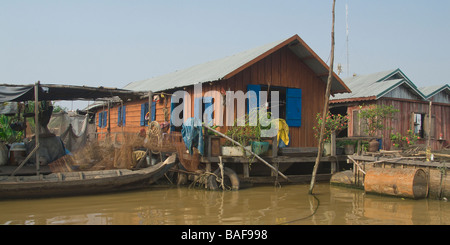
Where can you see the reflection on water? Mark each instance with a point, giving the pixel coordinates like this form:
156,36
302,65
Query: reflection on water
254,206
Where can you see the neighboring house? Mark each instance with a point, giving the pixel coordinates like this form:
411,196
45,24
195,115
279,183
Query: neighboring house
440,97
437,93
289,66
394,88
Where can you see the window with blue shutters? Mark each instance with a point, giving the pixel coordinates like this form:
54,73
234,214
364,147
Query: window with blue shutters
251,97
103,118
289,104
121,116
144,111
100,119
294,107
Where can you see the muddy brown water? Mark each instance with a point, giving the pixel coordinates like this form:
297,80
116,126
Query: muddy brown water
258,205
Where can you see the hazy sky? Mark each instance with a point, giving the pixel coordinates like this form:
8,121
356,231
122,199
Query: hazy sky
112,43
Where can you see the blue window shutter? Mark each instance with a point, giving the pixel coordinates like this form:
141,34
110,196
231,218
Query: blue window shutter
208,110
124,116
294,107
119,116
105,119
153,114
100,115
172,106
256,88
143,112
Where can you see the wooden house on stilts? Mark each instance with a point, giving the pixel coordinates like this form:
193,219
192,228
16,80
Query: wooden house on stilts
394,88
288,66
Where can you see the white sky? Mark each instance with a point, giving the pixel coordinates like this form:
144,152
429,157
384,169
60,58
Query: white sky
112,43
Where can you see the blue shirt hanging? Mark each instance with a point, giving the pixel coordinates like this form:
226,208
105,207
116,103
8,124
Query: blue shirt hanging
192,133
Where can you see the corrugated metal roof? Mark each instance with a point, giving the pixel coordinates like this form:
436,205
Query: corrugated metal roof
376,85
229,66
430,91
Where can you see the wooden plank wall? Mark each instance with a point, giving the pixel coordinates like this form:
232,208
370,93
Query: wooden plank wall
402,121
282,68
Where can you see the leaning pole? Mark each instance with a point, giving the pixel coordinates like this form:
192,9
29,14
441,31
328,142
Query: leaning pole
325,106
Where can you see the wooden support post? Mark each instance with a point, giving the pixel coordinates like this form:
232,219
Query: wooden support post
359,148
208,145
333,144
274,147
246,169
429,133
275,165
208,167
333,153
108,126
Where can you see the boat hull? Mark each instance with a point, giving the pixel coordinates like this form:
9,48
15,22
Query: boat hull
83,182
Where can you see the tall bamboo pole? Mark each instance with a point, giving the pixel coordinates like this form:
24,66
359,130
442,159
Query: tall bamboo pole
325,106
36,123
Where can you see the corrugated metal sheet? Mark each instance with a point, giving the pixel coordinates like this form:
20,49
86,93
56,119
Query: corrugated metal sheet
430,91
221,68
376,85
206,72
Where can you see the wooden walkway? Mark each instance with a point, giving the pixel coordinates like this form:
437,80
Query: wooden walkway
282,159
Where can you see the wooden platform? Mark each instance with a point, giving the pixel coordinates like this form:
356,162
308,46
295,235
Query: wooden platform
282,159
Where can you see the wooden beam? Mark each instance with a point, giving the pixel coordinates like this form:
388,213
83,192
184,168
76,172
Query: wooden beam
322,74
309,57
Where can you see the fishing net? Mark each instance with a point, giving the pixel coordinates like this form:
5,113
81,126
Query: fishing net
71,127
129,153
161,142
103,155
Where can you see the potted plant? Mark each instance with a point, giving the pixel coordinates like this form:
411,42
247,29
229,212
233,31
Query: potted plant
374,117
333,123
348,145
244,134
247,135
241,134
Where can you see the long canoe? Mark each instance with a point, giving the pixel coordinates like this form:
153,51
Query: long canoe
82,182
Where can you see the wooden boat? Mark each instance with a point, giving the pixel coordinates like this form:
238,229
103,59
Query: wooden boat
82,182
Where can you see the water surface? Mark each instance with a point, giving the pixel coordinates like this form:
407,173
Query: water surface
260,205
